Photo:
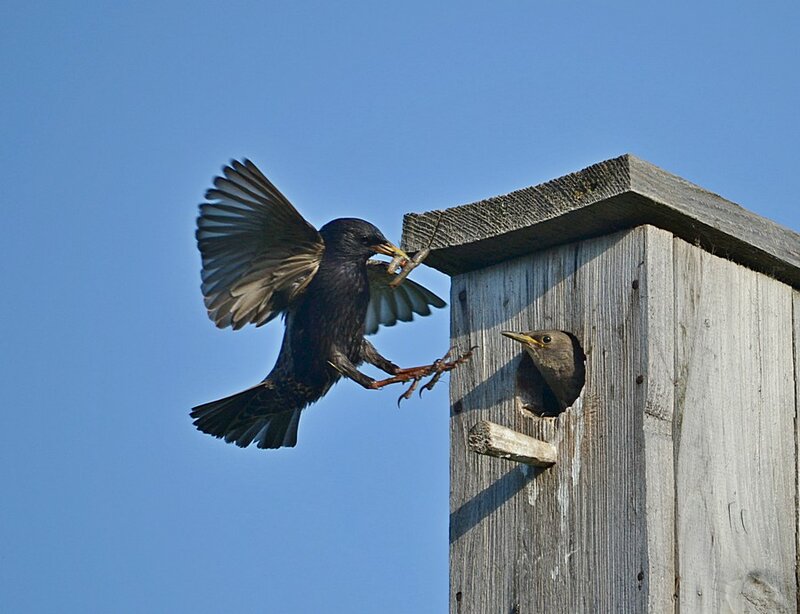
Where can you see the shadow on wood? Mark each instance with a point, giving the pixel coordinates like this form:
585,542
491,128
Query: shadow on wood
490,499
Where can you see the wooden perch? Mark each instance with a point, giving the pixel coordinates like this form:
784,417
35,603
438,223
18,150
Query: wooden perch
494,440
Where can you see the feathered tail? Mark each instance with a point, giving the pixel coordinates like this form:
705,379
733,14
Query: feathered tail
263,413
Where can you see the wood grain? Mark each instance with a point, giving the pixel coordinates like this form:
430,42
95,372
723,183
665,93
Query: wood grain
796,342
735,470
586,535
658,349
499,441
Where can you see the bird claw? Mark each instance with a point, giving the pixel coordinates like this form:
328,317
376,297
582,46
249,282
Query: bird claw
416,374
431,382
407,394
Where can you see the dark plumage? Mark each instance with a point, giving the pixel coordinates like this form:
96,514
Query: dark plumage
261,258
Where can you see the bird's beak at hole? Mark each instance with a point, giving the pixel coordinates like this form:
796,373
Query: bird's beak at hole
523,339
387,249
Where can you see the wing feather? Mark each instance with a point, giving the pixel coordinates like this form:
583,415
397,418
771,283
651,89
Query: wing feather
388,305
258,252
403,304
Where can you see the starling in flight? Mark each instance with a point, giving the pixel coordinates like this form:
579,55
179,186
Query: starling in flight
559,358
261,259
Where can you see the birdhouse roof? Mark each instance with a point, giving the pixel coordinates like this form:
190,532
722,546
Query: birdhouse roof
606,197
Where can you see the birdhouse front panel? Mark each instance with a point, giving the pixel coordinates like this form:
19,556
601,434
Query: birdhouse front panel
573,537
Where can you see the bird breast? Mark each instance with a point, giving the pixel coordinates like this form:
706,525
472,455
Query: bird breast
329,317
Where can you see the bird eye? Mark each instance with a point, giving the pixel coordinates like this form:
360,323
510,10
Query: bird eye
546,339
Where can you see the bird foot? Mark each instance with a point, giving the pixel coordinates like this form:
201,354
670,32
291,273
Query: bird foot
416,374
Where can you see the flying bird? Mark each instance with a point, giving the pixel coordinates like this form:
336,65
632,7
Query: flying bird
261,259
559,358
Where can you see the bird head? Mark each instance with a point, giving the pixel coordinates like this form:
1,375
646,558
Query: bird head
351,238
544,345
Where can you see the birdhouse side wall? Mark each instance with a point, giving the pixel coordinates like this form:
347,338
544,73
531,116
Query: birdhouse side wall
735,459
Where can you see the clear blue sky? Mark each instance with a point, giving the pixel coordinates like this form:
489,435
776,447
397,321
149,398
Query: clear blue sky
115,116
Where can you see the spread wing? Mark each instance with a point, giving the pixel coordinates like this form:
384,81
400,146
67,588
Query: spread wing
258,252
387,305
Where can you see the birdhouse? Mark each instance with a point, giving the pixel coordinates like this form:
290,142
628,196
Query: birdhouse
670,484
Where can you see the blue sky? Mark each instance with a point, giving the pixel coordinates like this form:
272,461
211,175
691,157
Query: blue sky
115,117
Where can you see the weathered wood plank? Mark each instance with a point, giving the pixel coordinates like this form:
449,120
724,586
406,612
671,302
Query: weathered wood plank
658,350
736,474
576,537
620,193
501,442
796,343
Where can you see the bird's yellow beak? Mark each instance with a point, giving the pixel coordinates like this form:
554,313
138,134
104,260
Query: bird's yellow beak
388,249
523,339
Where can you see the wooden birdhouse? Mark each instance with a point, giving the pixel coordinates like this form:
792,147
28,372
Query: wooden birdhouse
675,483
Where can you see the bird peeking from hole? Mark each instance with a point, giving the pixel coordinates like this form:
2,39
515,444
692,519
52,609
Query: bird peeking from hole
261,259
559,359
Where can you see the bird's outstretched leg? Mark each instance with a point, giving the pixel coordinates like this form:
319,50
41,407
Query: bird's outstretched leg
416,374
343,365
373,357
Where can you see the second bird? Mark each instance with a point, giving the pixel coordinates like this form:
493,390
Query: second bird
559,358
261,259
